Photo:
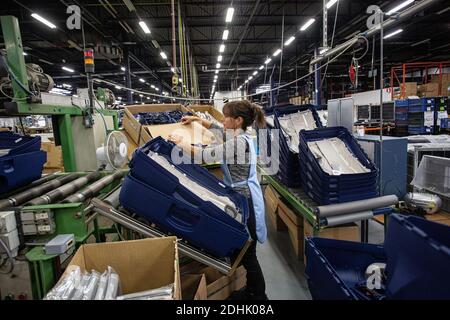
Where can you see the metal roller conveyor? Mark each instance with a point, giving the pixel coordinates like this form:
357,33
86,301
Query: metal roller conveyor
121,218
65,190
94,188
39,189
113,198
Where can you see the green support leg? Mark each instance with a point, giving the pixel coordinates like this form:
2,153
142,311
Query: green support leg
68,149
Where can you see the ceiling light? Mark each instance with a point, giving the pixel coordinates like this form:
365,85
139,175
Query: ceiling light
307,24
250,78
246,81
43,20
225,35
68,69
163,55
443,10
420,42
144,27
222,48
215,77
262,67
148,98
152,86
215,80
255,73
393,33
181,80
25,54
157,89
120,98
142,80
229,16
267,61
218,66
331,3
399,7
118,88
123,69
47,62
172,69
289,41
141,95
219,58
216,72
277,52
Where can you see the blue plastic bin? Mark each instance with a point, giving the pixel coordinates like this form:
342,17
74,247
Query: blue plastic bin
418,255
18,144
182,219
18,170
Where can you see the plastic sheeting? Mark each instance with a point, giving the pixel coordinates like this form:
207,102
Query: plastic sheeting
433,174
293,123
335,158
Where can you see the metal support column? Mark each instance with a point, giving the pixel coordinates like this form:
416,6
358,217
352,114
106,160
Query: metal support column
68,149
15,58
317,82
128,76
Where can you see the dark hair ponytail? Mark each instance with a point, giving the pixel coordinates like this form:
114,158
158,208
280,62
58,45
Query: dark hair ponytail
249,112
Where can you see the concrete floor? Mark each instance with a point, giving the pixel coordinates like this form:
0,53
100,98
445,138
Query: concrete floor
283,272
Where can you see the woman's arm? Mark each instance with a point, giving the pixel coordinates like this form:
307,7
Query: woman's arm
189,119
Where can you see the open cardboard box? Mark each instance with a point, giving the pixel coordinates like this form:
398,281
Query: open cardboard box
192,133
216,114
193,287
141,264
219,286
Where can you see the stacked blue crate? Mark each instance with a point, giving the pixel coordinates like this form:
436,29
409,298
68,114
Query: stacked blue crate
324,188
289,172
401,117
21,160
421,116
417,257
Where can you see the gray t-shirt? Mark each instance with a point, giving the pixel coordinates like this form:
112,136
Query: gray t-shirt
236,156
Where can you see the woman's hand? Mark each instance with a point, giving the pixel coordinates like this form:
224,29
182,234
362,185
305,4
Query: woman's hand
189,119
175,138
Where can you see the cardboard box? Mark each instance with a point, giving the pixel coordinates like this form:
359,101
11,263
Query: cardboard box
272,198
440,217
410,89
193,133
193,287
349,232
294,224
219,286
54,155
216,114
428,90
141,264
135,130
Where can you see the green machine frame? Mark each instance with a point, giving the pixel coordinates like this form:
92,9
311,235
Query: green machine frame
22,104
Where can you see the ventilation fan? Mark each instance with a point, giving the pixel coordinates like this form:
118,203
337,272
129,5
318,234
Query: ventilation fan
113,154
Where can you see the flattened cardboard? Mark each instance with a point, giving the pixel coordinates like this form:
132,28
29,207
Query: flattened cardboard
141,264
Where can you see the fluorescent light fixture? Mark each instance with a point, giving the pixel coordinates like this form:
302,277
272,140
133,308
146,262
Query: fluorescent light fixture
420,42
225,34
172,69
157,89
218,66
443,10
181,80
123,69
262,67
277,52
25,54
215,80
163,55
267,61
215,77
219,58
246,81
216,72
68,69
142,80
144,27
76,96
152,86
118,88
222,48
289,41
47,62
331,3
120,98
148,98
229,16
255,73
324,50
399,7
250,78
43,20
135,102
141,95
307,24
393,33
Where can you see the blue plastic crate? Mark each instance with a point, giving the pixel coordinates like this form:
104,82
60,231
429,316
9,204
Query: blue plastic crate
418,255
401,103
401,116
445,123
19,170
18,144
414,102
182,219
419,130
335,268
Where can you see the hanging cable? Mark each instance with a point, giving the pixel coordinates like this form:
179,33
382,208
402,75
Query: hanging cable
282,53
332,41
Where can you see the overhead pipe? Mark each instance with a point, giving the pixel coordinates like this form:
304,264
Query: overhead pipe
174,45
386,24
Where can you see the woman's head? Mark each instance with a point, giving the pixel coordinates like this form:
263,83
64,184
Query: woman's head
242,114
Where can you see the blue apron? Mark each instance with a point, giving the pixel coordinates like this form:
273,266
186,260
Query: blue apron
255,190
